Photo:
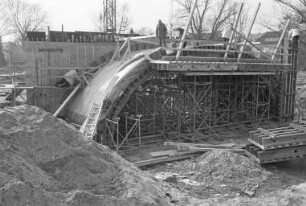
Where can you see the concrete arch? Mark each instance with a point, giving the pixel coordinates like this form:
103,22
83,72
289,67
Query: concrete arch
111,86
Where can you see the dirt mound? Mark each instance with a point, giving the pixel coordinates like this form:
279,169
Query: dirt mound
46,162
216,173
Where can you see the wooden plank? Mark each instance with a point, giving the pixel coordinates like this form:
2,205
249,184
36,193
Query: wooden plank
216,73
173,153
163,153
252,156
282,154
284,139
256,144
214,66
276,155
279,128
259,137
229,145
198,149
266,132
299,127
155,161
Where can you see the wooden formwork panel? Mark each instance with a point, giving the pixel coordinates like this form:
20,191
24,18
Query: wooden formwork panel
275,155
292,135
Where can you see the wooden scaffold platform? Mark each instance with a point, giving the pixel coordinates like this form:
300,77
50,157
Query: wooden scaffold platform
278,144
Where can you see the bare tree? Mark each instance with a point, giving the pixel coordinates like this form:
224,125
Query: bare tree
4,26
145,31
287,9
225,9
243,22
298,6
21,17
197,22
209,15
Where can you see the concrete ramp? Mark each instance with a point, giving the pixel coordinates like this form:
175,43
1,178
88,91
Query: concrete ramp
112,85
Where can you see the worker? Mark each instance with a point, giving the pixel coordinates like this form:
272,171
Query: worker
226,33
69,79
131,31
181,33
294,38
161,33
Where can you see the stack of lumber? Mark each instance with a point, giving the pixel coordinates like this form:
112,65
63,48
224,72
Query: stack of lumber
278,144
184,151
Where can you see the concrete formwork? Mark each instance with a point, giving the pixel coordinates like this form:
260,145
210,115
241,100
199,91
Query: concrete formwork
150,93
186,99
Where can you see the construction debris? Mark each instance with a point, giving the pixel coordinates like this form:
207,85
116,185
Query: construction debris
215,172
171,156
184,151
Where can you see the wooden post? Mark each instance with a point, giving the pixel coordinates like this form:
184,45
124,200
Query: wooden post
232,35
67,100
48,34
249,32
185,31
253,45
117,134
129,45
280,40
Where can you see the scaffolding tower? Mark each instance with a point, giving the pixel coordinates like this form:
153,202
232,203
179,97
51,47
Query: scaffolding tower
109,16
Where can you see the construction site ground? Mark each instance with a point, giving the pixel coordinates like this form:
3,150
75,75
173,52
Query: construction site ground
244,179
45,161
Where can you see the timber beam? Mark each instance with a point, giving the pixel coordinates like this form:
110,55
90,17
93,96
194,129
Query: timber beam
219,67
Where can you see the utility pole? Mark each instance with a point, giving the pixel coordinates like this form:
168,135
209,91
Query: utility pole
171,18
109,16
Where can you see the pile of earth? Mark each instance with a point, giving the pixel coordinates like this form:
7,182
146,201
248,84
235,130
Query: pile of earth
216,173
45,161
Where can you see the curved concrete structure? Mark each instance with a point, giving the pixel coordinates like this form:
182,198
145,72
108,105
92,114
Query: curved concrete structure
115,81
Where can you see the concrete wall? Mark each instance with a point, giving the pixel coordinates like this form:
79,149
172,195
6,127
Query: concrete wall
46,63
47,98
64,54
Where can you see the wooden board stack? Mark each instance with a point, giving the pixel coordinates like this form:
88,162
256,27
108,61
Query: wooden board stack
278,144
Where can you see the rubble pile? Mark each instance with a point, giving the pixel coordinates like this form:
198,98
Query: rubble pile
217,172
228,166
46,162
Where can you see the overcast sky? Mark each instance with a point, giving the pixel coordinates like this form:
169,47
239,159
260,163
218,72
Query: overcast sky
77,15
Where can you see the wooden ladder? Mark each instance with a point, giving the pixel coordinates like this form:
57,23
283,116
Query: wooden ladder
123,25
91,121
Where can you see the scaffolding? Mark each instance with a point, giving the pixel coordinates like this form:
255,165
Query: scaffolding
202,93
187,98
109,16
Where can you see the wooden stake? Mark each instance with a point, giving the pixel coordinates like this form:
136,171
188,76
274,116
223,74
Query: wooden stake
185,31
